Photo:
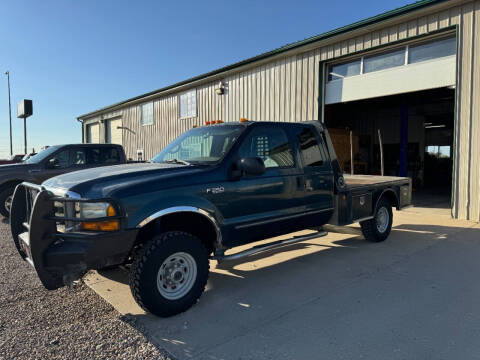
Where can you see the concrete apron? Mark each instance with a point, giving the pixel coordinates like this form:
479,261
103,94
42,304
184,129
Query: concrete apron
333,297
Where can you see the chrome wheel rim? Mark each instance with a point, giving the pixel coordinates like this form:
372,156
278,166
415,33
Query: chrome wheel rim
8,202
176,275
382,219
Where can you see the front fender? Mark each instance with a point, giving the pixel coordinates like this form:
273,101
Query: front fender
139,211
4,183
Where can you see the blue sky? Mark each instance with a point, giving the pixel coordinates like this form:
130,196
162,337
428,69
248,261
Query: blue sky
72,57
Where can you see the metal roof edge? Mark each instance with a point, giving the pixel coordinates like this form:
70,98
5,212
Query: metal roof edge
341,30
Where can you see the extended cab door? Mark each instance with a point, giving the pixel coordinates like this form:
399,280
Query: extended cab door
318,179
260,206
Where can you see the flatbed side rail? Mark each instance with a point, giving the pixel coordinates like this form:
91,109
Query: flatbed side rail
360,203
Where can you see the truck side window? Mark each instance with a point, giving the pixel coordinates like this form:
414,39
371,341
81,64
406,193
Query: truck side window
78,157
271,145
111,156
312,153
61,160
93,156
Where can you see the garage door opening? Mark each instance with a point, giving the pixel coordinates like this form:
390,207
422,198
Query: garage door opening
417,136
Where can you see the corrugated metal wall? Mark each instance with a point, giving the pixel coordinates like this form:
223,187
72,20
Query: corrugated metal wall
467,172
287,89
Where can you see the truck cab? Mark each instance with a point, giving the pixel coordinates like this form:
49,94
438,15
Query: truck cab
53,161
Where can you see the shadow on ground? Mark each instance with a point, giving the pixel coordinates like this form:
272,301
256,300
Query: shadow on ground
342,297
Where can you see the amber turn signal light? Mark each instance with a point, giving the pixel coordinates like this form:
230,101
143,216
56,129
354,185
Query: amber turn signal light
111,211
110,225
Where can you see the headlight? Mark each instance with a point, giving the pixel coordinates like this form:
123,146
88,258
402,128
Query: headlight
95,210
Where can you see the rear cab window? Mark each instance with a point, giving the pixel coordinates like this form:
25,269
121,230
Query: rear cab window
102,155
313,152
94,156
111,155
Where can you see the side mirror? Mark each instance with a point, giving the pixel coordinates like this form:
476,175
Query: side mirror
250,166
52,163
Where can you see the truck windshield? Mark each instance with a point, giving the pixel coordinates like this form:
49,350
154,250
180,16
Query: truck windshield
201,145
35,159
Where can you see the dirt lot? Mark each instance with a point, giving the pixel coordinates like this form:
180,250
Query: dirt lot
62,324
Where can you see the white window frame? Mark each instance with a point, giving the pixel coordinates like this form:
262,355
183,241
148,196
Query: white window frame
141,115
190,97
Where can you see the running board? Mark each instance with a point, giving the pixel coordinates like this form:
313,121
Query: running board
259,248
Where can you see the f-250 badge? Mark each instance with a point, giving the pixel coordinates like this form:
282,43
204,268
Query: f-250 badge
215,190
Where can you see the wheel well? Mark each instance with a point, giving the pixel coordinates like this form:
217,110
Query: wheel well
9,183
193,223
391,196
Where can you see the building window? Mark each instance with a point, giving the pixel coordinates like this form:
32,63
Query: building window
432,50
147,114
339,71
188,104
384,61
405,55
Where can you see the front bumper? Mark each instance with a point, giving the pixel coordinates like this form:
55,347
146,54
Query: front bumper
61,257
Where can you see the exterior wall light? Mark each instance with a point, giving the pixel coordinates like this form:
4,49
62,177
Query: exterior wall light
221,89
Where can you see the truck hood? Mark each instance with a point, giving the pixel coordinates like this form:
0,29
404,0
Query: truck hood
107,181
15,171
6,167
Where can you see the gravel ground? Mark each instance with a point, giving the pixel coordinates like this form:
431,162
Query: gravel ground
61,324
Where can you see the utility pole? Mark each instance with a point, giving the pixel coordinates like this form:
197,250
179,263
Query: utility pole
9,111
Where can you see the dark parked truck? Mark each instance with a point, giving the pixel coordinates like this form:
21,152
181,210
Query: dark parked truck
214,188
53,161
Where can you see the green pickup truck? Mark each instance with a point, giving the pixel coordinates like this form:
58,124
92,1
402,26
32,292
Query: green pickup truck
212,189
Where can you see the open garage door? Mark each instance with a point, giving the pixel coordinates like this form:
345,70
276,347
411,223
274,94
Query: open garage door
113,131
93,133
407,94
409,68
417,135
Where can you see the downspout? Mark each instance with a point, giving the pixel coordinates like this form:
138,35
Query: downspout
83,130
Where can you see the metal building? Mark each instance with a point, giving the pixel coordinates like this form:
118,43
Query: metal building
413,73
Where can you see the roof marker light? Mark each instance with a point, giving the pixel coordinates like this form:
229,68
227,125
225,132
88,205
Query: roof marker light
243,119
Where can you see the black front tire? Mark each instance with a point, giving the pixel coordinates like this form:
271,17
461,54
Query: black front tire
4,194
146,267
378,229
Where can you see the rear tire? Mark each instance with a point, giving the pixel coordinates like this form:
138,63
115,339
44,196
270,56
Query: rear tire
378,229
6,196
169,274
